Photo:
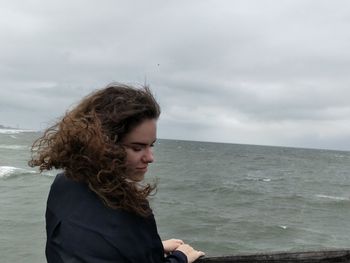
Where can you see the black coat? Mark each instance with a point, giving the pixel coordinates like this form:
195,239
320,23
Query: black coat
80,228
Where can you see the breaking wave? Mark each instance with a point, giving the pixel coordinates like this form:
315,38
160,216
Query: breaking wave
14,131
9,171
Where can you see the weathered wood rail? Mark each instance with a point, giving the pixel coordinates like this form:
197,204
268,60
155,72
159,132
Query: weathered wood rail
284,257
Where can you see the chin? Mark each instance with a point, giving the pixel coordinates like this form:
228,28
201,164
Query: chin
137,177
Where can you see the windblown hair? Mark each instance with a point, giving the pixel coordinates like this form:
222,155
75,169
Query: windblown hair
86,144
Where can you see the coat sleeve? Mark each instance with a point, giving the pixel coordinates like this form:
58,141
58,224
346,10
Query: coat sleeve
176,257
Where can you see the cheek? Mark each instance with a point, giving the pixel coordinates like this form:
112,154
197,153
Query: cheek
132,158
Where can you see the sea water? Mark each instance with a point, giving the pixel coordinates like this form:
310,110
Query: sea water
221,198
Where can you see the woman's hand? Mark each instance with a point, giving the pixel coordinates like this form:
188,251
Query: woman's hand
171,244
190,252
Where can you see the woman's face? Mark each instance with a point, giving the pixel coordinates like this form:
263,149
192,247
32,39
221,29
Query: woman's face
138,146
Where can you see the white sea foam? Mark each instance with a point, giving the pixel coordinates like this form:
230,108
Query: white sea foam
14,131
283,227
249,178
7,171
13,147
52,173
338,198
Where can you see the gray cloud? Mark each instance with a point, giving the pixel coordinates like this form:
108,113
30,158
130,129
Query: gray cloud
260,72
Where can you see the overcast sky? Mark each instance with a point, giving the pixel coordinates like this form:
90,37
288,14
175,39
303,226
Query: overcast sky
269,72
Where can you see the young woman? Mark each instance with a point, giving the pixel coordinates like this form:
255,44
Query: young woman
97,209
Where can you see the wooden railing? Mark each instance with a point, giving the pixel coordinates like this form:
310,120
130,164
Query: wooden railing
324,256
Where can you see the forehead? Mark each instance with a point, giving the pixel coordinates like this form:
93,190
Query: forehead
145,132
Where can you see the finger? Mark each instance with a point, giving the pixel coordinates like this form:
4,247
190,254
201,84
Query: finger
201,253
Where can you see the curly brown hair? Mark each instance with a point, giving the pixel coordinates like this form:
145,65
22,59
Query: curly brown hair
86,144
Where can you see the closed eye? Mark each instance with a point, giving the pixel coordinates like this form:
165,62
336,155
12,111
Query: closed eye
136,149
138,146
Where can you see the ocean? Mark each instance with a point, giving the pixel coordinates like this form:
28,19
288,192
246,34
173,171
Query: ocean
221,198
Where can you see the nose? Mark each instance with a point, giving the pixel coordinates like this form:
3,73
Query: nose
148,155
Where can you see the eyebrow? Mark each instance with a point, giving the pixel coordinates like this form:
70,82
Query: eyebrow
141,143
